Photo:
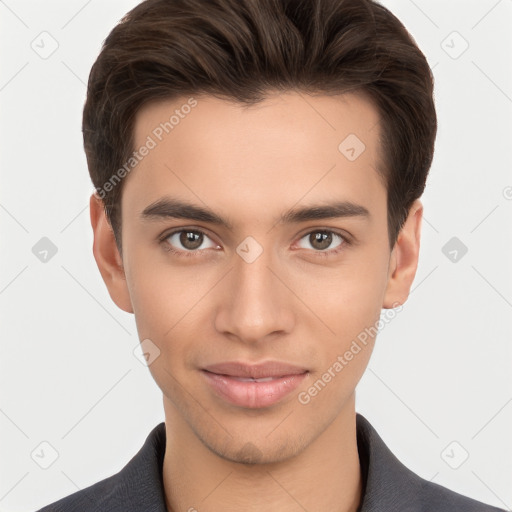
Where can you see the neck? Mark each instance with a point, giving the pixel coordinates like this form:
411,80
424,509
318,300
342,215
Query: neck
324,476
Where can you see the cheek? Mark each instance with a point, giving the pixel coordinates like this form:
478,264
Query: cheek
151,303
349,297
162,294
349,302
170,309
166,308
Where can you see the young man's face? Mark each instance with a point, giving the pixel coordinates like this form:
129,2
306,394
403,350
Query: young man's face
297,291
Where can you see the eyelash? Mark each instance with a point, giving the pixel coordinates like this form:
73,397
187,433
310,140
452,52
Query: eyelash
188,254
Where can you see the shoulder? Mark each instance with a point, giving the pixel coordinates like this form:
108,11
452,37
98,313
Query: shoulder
436,497
91,499
390,485
138,486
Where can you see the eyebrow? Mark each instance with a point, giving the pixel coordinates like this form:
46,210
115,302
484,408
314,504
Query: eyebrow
178,209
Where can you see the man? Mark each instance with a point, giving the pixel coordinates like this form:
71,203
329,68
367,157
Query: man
258,167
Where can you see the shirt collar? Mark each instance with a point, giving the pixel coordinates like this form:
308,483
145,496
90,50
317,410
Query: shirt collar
387,484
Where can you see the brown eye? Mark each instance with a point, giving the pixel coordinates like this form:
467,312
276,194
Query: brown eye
188,240
321,240
191,239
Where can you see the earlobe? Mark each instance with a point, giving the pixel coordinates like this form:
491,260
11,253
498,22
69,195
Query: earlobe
404,258
106,254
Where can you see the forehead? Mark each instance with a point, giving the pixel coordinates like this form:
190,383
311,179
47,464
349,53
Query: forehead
289,146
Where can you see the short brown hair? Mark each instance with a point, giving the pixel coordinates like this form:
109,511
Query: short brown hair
240,50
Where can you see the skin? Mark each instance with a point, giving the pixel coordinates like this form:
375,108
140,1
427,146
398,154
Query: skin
249,165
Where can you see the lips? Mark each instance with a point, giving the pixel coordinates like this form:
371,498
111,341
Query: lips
267,370
253,386
251,379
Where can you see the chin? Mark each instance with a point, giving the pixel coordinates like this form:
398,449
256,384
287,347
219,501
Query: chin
243,451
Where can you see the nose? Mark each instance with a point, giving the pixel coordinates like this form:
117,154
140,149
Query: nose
255,304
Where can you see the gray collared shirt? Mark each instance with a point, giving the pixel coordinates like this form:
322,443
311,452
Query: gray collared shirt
388,486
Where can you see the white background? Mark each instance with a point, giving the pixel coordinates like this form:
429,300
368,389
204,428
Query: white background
441,371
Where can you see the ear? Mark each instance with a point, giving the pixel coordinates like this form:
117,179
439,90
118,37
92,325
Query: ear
404,258
107,255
